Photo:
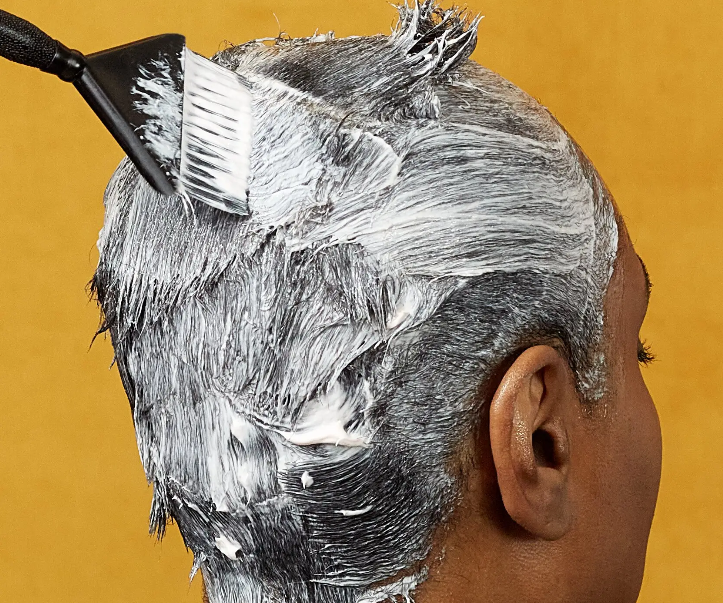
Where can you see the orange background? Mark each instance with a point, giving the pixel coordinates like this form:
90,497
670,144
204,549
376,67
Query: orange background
638,84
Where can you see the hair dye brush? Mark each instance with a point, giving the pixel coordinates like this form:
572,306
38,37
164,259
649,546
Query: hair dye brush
184,121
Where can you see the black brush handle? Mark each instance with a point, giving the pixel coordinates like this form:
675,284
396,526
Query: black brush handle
22,42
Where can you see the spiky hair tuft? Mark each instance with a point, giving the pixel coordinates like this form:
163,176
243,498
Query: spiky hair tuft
436,39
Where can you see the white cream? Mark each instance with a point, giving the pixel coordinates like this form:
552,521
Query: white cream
355,512
228,546
324,421
306,480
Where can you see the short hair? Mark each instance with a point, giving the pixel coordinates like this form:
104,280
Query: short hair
302,379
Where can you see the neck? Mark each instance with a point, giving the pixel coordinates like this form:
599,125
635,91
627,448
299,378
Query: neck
224,586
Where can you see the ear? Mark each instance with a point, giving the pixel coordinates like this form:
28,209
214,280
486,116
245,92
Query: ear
528,420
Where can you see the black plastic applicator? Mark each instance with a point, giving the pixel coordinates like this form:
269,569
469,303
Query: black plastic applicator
213,140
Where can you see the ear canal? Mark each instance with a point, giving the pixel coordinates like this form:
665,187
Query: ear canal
551,447
543,445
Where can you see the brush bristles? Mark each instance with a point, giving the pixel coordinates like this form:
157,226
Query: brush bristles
216,138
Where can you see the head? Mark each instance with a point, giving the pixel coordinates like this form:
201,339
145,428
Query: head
413,355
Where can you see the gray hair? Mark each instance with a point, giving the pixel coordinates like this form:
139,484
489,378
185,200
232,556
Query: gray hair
301,379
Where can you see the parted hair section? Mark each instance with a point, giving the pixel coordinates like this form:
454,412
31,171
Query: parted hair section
302,378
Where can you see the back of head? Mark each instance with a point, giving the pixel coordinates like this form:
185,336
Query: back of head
302,379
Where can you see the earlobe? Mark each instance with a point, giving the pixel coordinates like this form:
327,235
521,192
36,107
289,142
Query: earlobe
528,422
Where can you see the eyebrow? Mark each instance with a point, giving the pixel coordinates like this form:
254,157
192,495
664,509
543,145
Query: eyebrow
648,282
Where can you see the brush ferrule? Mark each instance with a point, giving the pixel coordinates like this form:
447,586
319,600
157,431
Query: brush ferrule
67,64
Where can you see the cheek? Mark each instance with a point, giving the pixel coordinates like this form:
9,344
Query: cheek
644,447
637,437
629,475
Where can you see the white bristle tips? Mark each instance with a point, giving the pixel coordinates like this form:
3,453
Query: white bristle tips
216,137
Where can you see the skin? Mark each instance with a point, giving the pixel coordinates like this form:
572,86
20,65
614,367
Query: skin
559,494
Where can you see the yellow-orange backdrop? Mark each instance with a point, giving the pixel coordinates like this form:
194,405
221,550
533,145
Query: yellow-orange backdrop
637,83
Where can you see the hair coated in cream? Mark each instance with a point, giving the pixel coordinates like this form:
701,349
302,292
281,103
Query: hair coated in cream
301,378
